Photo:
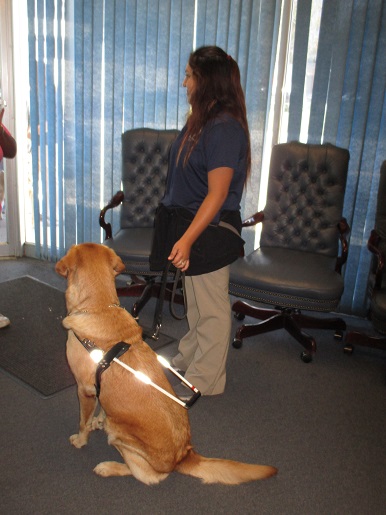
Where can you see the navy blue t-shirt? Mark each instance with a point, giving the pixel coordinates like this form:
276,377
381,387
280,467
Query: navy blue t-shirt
222,143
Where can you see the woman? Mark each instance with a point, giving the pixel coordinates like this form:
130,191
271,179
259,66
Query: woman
7,149
209,166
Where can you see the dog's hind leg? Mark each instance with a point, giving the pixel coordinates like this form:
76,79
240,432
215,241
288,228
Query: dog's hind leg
142,470
87,406
134,465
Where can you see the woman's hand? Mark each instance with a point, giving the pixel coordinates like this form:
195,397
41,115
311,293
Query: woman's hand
179,255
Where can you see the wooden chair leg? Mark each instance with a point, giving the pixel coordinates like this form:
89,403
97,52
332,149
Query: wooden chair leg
363,340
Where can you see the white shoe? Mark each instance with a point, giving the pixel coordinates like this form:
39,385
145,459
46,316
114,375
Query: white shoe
4,321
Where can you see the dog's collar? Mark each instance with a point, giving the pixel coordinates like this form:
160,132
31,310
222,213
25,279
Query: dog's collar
104,359
80,311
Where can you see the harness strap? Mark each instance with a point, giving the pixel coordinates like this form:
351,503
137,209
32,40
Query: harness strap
87,344
115,352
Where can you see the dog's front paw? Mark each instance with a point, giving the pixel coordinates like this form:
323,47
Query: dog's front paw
78,440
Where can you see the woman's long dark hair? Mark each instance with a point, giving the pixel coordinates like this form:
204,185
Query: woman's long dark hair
218,90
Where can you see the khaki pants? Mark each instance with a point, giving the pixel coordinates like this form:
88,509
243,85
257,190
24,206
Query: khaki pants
203,351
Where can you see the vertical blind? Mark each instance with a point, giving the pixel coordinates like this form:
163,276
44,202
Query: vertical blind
100,67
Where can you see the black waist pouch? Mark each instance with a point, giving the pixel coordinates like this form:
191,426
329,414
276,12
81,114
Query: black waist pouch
219,245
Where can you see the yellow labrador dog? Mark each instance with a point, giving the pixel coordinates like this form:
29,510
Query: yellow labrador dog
149,429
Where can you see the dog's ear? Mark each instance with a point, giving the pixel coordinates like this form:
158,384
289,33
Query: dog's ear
117,263
63,266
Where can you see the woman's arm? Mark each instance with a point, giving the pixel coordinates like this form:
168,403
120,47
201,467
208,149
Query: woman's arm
7,141
219,181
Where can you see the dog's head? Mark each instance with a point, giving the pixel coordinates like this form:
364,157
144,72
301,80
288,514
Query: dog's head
90,270
90,255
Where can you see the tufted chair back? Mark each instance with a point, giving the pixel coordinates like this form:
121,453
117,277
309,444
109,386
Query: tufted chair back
305,197
145,154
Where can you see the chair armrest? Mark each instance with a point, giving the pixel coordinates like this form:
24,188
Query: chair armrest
344,229
374,247
255,219
114,202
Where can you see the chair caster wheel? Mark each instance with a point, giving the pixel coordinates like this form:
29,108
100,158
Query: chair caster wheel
237,343
338,335
306,357
239,316
348,349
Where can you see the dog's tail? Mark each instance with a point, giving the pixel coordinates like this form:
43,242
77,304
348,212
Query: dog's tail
228,472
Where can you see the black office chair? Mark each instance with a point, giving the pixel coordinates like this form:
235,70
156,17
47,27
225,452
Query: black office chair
145,155
302,249
377,279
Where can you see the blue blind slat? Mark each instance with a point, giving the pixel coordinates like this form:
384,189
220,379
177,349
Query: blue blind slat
259,78
34,118
140,64
180,44
303,17
112,81
114,108
233,32
72,134
51,125
208,13
129,65
42,127
322,71
351,74
81,23
200,24
150,71
59,248
92,171
244,44
339,57
161,64
223,24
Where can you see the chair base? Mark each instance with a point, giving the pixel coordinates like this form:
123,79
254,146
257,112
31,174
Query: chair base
144,290
363,340
292,320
